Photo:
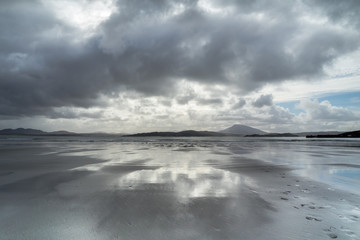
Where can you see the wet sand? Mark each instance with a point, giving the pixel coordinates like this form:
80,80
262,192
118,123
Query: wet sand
175,190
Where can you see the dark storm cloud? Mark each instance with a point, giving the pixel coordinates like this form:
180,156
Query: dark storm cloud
263,100
344,12
241,102
184,99
68,79
146,47
153,50
39,72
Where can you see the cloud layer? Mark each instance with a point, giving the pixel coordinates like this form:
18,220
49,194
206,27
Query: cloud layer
50,61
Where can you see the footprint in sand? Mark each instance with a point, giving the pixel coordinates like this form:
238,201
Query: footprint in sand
310,206
330,233
310,218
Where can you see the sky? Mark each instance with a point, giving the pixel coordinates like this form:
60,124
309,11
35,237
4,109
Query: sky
130,66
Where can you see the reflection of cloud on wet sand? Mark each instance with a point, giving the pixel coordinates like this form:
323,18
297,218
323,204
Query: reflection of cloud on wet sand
186,183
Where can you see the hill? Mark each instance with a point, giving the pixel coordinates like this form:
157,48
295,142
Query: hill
353,134
33,132
187,133
273,135
22,131
62,133
239,129
303,134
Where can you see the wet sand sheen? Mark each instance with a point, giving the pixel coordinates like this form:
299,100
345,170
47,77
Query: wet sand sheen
167,191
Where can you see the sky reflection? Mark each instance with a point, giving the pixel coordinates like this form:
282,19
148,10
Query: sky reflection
185,172
186,183
345,178
196,169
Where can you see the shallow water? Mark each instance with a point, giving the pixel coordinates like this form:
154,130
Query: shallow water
178,188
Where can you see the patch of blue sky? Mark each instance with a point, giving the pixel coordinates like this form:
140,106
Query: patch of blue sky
291,106
347,99
350,100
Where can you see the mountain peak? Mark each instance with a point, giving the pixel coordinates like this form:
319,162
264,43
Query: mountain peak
240,129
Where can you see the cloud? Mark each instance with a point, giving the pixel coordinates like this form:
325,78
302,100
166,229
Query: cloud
75,113
40,70
186,97
162,45
324,111
48,63
263,100
241,102
280,115
210,101
314,116
347,12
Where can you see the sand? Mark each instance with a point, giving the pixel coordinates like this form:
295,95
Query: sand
176,190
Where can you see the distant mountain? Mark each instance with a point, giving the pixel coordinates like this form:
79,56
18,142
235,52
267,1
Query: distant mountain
22,131
61,133
303,134
273,135
354,134
35,132
239,129
187,133
235,130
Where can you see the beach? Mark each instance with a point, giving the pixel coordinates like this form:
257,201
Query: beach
179,188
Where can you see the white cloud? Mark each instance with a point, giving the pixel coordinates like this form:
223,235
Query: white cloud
297,90
315,110
85,15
